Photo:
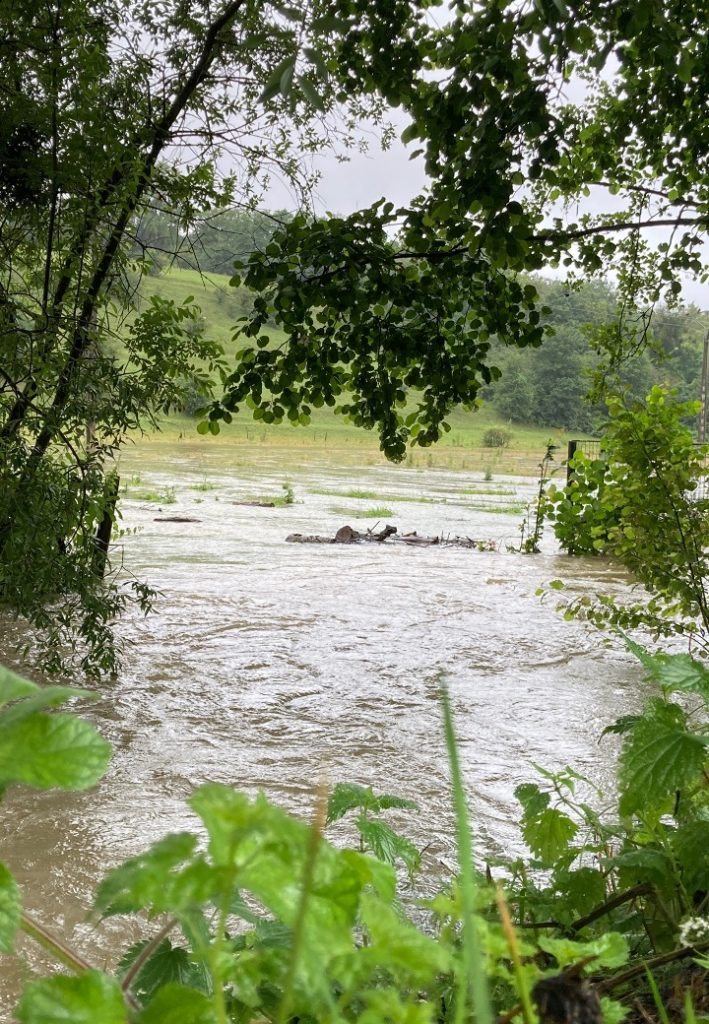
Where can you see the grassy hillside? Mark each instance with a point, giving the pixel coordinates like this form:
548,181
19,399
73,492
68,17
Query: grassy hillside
222,306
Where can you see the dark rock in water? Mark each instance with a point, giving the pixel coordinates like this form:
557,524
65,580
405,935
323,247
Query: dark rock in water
346,535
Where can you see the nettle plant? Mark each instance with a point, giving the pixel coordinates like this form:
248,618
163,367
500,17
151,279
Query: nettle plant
641,868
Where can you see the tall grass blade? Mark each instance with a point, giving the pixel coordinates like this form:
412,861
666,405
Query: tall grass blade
657,998
472,984
690,1016
528,1014
316,832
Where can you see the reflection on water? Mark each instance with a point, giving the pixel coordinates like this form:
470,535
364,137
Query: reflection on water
275,666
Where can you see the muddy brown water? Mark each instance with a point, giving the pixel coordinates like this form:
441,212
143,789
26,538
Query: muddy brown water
274,666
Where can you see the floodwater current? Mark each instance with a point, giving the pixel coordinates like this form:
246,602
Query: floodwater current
277,666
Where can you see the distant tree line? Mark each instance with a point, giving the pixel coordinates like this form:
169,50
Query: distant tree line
550,386
555,385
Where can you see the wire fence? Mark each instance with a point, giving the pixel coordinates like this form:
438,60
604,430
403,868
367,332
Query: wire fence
591,448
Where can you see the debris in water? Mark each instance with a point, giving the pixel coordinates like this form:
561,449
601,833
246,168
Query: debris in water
348,535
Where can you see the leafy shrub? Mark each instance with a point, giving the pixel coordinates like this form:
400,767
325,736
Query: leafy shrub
643,506
496,437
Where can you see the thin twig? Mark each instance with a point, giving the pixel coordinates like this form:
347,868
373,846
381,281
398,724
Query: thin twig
608,984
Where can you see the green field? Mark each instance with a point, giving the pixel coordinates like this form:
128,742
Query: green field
462,447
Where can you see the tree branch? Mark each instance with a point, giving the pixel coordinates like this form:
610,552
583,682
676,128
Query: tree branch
608,984
598,229
82,332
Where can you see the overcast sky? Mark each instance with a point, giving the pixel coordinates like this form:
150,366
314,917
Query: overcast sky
390,174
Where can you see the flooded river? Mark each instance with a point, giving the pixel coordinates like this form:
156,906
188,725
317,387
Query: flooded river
274,665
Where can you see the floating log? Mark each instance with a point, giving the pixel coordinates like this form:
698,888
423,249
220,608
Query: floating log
176,519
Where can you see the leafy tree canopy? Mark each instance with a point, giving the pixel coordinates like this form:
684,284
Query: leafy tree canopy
510,156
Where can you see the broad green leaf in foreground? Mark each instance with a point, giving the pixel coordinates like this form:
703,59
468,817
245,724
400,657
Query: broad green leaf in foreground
90,998
10,906
177,1004
164,878
658,758
31,697
45,750
396,944
12,687
674,672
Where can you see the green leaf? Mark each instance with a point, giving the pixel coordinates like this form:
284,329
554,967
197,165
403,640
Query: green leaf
310,92
532,798
40,697
52,750
690,844
12,686
346,796
10,909
582,889
394,943
177,1004
642,865
90,998
283,72
165,877
549,834
166,964
659,757
386,844
674,672
610,950
287,78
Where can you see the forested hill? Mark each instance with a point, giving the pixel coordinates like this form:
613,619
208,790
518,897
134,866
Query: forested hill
546,387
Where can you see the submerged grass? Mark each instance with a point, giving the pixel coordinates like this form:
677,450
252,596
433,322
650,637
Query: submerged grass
374,496
500,510
166,497
205,485
362,513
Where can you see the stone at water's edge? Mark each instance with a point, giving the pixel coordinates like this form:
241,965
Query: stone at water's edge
346,535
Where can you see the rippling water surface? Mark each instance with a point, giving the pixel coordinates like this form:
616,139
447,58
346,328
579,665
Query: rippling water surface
275,665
